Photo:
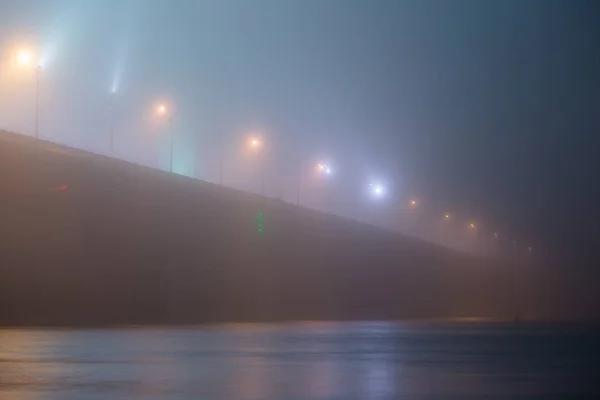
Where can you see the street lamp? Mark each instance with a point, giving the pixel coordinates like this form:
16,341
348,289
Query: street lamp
221,156
321,169
472,225
25,59
324,169
377,190
163,112
111,121
256,145
446,216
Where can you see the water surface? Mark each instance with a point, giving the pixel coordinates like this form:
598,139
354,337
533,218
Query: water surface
375,360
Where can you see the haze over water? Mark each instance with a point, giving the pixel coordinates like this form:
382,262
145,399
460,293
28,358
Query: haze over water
377,360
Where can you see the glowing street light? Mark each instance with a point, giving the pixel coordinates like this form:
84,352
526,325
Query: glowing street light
24,58
447,216
161,109
323,168
496,235
472,225
324,172
255,143
412,203
377,190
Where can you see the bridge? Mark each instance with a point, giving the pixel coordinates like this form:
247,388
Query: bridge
90,240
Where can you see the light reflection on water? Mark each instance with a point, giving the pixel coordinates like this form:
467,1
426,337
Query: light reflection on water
299,361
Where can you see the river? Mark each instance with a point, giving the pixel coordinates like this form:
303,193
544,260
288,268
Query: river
367,360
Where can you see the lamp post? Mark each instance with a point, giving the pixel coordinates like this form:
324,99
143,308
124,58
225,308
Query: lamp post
221,156
171,141
26,59
221,161
38,72
299,184
163,111
111,121
257,146
324,171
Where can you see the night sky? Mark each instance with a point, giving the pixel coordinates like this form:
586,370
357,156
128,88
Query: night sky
489,110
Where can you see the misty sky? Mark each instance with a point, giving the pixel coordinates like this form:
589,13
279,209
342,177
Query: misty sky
487,109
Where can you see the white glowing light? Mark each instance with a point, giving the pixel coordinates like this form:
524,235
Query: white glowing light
24,58
377,190
324,168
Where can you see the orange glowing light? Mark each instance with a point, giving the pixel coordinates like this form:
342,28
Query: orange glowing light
24,57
